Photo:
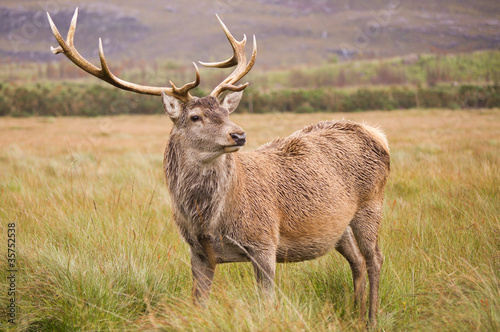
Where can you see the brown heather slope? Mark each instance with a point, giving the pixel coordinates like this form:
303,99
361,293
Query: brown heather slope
288,32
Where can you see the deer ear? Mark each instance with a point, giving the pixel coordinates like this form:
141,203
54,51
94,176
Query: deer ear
232,100
171,106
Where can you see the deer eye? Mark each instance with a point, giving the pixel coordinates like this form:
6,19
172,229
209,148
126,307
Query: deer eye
195,118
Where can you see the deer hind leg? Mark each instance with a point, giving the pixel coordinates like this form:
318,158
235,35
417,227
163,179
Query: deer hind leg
348,248
365,226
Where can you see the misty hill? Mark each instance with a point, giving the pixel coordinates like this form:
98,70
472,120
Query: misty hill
288,31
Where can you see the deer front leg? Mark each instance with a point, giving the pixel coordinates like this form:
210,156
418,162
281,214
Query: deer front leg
203,275
264,266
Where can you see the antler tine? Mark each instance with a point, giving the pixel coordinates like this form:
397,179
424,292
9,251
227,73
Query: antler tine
72,28
238,59
104,73
67,48
233,61
184,90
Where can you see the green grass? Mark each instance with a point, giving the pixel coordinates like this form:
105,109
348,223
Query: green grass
480,67
97,248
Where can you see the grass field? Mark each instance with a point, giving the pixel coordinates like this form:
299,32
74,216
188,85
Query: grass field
96,247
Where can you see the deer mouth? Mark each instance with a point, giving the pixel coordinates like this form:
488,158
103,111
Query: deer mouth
232,148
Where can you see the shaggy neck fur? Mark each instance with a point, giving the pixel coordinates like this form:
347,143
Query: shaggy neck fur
198,188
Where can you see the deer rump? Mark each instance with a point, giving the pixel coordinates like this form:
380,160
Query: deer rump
297,194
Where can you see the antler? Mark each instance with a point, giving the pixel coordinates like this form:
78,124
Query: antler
238,59
104,73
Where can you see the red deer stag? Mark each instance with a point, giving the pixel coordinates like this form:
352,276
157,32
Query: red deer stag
293,199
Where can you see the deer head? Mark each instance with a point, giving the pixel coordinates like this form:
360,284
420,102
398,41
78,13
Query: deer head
203,123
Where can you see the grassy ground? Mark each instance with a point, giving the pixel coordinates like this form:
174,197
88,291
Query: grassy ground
97,248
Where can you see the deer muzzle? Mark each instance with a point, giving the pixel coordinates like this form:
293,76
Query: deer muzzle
239,138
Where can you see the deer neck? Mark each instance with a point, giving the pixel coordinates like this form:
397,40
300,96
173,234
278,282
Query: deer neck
198,186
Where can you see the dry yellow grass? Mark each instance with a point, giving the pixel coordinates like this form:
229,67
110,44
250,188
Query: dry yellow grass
148,134
97,248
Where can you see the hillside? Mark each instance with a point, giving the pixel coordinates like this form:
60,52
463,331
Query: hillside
288,32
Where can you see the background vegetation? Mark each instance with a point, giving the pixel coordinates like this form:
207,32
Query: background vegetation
427,81
98,250
289,32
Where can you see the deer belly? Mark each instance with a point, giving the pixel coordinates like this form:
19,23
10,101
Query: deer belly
310,241
297,250
227,252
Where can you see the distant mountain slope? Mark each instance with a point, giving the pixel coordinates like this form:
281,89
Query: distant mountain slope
288,31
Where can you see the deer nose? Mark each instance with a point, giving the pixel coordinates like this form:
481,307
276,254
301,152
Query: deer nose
239,138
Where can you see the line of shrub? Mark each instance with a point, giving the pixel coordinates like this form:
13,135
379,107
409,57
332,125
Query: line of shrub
94,100
335,100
